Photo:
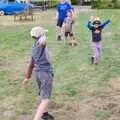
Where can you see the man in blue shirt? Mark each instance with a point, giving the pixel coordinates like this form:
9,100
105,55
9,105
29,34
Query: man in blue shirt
61,14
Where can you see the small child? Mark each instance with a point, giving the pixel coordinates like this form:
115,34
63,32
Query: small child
68,29
96,27
44,72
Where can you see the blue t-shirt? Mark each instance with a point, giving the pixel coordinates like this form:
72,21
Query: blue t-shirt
62,10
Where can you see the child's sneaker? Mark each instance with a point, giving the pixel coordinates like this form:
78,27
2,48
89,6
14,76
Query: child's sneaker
59,38
92,60
47,116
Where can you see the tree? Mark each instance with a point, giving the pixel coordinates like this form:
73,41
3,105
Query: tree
114,1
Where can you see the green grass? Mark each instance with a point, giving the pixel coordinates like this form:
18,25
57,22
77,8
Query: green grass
76,80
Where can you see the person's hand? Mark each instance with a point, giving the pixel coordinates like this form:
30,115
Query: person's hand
91,18
25,81
74,17
43,44
56,15
112,17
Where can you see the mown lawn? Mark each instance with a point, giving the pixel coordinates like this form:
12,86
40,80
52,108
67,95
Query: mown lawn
81,91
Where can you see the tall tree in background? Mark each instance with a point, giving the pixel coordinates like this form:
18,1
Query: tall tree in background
113,3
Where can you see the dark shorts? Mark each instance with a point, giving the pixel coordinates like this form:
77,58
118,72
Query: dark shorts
68,34
44,80
60,22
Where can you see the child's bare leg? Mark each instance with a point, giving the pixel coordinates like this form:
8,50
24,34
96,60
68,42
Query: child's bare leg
73,40
43,107
58,32
72,35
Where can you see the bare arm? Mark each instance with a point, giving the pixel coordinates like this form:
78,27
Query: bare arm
89,25
57,14
73,15
29,69
28,73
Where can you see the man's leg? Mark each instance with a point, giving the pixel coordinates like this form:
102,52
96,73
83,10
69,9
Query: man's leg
59,29
45,90
42,108
58,32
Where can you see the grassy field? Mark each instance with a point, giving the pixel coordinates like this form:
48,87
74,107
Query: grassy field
81,91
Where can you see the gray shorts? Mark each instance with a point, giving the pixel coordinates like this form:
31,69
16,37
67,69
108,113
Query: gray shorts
44,80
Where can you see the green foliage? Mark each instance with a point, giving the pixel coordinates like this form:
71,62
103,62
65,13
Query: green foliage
104,4
74,2
86,3
52,3
101,114
70,90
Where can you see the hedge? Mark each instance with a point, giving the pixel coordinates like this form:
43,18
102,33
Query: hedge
105,4
52,3
74,2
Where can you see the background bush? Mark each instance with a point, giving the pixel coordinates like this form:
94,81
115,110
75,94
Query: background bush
74,2
100,4
52,3
103,4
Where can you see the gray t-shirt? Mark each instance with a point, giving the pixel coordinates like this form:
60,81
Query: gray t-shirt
41,57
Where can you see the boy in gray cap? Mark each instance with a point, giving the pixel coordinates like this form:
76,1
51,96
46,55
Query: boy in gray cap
44,72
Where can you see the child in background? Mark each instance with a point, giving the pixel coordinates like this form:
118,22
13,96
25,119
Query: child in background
96,27
68,29
44,72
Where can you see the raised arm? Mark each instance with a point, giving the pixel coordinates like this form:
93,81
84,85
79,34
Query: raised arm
72,10
105,23
89,25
